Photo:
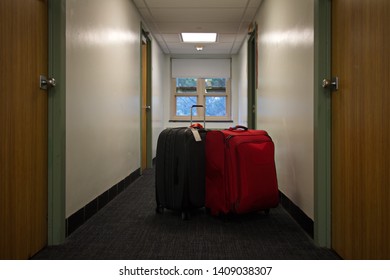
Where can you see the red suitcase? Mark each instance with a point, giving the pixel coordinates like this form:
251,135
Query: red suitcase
240,171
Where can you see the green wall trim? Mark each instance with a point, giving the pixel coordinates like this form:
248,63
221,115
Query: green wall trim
252,78
56,123
322,123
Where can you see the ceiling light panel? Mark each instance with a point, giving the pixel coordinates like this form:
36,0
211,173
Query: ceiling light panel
197,3
199,37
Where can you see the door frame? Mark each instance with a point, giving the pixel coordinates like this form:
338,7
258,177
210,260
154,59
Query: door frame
252,78
57,122
322,123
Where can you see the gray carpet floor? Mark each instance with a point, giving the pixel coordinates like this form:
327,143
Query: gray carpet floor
129,228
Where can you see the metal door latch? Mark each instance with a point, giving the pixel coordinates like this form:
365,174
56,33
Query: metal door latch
331,84
45,83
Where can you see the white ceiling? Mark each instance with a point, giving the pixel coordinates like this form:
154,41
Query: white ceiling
166,19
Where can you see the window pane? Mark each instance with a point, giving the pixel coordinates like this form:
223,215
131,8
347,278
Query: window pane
183,105
186,85
216,106
215,85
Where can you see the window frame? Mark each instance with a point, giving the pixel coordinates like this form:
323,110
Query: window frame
201,100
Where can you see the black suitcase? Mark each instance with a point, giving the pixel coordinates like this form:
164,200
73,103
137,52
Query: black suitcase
180,169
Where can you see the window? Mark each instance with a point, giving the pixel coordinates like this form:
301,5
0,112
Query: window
213,93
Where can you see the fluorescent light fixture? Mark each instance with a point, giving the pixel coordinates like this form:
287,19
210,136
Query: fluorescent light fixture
199,37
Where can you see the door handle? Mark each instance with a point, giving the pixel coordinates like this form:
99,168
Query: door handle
45,83
331,84
147,108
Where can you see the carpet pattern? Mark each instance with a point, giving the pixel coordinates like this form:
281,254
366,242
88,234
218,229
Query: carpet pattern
129,228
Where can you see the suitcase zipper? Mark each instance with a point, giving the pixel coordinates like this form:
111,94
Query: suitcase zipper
227,140
227,189
229,204
229,137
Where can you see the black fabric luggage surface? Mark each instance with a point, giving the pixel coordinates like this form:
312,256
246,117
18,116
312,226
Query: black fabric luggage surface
180,170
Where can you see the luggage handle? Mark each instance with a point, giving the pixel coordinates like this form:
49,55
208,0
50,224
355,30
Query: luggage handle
239,128
196,125
204,117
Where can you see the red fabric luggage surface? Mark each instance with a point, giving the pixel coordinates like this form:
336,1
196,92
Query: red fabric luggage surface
240,171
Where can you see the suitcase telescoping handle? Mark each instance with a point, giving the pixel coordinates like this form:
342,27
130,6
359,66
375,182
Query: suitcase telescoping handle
204,116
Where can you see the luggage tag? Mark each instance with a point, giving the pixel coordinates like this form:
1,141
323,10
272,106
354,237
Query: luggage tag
196,134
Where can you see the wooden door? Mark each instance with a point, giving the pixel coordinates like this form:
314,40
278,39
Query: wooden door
361,129
23,128
146,116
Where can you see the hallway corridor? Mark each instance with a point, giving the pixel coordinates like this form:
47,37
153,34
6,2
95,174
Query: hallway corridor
129,228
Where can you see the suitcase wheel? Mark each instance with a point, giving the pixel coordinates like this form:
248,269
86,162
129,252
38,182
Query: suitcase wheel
159,209
185,215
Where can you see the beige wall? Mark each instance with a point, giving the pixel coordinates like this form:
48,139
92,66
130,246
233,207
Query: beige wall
286,95
103,97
